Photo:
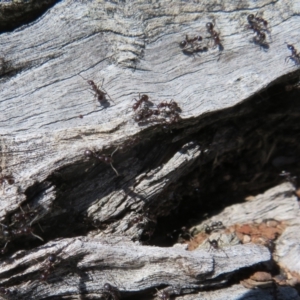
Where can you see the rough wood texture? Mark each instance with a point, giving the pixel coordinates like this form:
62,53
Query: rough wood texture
239,292
85,265
278,203
134,47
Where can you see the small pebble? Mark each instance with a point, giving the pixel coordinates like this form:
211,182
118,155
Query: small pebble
246,239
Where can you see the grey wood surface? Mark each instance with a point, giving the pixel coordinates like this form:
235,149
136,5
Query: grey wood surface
134,48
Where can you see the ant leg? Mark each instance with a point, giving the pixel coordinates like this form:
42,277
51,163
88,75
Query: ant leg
3,249
106,91
82,77
33,220
219,248
288,57
3,225
114,169
112,164
114,151
35,235
101,84
41,227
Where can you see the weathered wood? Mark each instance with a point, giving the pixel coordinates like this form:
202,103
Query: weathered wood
100,43
134,47
239,292
84,265
278,203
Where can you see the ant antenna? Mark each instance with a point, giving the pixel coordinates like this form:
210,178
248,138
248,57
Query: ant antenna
37,236
112,164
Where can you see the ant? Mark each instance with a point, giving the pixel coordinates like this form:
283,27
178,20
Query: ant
194,45
213,227
291,87
139,102
24,216
260,39
288,177
146,113
6,179
19,227
214,244
142,219
164,295
172,105
112,291
4,291
146,223
214,35
99,93
175,118
192,41
136,220
104,158
184,234
295,55
24,230
49,266
254,23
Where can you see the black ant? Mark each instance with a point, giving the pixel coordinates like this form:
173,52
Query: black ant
184,234
194,45
295,55
112,291
24,216
291,87
254,23
104,158
174,118
192,41
15,232
214,35
7,178
164,295
142,220
20,226
146,113
136,220
139,102
4,291
172,105
9,234
4,249
146,222
25,231
214,244
213,227
260,39
100,93
48,267
288,177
